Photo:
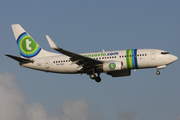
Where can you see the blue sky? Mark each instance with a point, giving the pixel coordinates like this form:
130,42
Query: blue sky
88,26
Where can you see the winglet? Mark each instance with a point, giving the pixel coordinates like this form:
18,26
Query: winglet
51,43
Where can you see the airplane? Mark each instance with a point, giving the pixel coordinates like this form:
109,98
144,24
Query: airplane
115,63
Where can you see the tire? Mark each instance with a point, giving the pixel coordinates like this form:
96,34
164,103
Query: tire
93,76
98,79
158,73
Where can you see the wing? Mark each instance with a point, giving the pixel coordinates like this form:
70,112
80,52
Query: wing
83,61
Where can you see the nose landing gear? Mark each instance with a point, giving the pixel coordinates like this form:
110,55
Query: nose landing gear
160,67
157,72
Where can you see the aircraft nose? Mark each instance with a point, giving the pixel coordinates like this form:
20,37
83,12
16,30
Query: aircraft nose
174,58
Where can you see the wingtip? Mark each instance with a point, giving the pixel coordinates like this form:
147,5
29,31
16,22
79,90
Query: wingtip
51,43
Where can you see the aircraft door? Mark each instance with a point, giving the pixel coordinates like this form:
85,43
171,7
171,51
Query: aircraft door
47,64
153,55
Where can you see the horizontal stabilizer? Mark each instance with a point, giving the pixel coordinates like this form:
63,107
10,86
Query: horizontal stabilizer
21,60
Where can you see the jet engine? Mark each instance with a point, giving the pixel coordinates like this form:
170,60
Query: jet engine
112,66
120,73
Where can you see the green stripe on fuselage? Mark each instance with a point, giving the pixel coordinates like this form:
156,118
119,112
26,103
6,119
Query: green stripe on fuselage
128,59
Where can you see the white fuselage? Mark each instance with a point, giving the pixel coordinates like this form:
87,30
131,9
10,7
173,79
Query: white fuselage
115,63
143,58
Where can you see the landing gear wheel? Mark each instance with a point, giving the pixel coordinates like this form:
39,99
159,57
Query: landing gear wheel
158,73
98,79
93,76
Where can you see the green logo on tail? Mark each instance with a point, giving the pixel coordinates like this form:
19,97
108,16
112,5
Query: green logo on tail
27,46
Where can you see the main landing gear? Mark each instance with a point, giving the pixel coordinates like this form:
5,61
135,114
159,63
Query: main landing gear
97,79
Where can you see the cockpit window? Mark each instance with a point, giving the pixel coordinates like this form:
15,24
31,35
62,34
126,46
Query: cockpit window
164,53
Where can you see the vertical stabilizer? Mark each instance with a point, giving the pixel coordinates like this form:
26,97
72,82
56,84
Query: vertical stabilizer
27,45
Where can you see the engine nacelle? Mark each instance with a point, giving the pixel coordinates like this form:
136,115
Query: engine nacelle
112,66
120,73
